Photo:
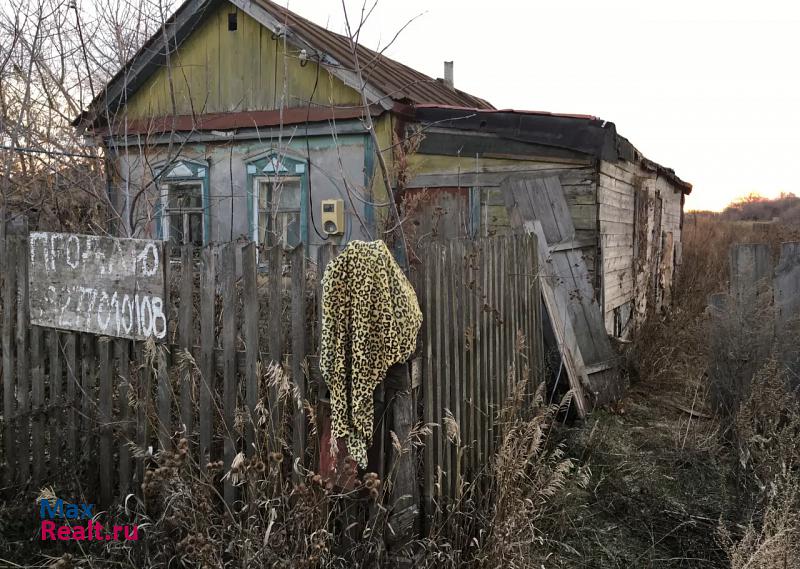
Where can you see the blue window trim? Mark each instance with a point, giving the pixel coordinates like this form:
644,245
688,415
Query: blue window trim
198,171
369,183
290,166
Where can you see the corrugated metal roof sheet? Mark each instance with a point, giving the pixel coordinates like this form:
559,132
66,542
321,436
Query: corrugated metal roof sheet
397,81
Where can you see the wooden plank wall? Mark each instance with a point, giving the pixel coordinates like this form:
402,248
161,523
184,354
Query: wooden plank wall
481,334
629,276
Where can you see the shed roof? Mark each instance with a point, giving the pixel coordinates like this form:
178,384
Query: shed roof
585,134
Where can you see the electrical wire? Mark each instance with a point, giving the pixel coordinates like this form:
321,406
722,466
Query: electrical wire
308,155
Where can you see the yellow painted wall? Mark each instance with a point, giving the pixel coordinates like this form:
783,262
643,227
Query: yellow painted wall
216,70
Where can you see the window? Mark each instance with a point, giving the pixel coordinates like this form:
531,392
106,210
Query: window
278,212
278,200
182,209
183,213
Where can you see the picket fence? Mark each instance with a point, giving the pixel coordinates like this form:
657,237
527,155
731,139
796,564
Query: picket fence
77,404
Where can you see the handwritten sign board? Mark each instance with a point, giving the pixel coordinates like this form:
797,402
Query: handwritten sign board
100,285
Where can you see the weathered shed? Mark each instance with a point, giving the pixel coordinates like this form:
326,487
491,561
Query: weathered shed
627,211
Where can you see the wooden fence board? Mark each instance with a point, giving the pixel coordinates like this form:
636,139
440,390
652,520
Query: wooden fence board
164,398
298,319
251,316
428,388
122,354
228,288
208,289
106,465
88,367
186,336
9,367
445,337
56,401
276,337
143,410
23,365
37,404
73,392
440,310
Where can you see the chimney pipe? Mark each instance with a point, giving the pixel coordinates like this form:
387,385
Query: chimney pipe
448,74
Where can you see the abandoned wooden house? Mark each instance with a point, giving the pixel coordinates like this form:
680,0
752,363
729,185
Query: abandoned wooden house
267,141
241,119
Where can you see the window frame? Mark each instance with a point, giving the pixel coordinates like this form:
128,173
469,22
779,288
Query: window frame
181,172
274,180
167,211
273,164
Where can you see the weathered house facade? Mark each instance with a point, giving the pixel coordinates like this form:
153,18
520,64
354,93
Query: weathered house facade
244,120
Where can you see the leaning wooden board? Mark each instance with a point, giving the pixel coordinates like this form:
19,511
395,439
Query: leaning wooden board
536,204
99,285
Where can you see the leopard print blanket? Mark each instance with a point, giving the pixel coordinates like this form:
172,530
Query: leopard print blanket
370,321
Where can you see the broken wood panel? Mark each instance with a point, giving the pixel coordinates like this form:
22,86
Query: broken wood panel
541,199
555,300
126,297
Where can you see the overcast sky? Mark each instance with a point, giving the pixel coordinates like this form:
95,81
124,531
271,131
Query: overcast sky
709,88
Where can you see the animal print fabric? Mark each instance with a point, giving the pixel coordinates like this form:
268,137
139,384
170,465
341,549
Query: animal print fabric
370,321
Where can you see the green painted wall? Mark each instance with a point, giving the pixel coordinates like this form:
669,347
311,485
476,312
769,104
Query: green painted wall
217,70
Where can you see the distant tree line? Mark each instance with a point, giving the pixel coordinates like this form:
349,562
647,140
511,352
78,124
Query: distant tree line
785,209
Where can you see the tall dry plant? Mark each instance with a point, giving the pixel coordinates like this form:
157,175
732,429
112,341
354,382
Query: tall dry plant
767,430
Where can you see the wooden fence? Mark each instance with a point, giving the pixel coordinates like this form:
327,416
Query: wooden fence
481,333
75,402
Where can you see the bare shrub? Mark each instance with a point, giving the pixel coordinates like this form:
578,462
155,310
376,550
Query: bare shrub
768,428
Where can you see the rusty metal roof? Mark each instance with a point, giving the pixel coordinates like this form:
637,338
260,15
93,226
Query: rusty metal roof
397,81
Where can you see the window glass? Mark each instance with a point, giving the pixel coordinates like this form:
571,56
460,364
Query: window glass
279,211
184,214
